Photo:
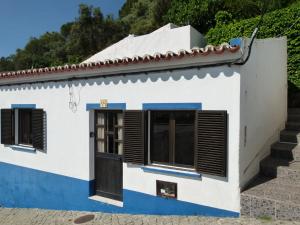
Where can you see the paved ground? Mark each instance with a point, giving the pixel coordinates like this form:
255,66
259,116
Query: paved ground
50,217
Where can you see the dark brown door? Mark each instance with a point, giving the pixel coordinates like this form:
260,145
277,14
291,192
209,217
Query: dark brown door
109,154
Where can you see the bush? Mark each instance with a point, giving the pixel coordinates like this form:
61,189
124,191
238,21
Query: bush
283,22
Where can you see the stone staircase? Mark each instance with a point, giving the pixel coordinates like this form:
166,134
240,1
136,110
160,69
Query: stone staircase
276,191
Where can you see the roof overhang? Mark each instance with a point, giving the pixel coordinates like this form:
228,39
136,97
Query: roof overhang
211,56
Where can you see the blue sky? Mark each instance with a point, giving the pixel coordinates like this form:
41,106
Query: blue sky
22,19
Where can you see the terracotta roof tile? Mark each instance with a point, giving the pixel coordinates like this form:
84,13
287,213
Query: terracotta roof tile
124,61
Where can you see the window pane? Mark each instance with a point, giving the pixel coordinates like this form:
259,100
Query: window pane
184,138
100,119
25,133
120,134
100,146
100,132
120,148
160,137
111,131
120,119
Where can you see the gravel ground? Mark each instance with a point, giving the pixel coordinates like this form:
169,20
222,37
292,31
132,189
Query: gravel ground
52,217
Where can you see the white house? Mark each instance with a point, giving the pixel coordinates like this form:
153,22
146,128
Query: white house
154,124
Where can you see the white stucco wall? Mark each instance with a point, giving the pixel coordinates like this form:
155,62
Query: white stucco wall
69,146
254,95
263,103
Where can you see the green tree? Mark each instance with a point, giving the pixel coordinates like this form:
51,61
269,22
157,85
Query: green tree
201,13
144,16
82,36
223,17
7,63
48,50
126,8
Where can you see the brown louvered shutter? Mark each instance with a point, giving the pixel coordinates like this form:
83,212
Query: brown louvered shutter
211,142
7,127
134,141
38,131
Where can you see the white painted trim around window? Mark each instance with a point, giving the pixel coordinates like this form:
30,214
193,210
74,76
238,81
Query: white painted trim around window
173,172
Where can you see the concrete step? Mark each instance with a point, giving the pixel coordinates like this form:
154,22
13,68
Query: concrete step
293,118
290,136
272,188
293,111
289,151
274,167
269,166
271,198
287,181
291,172
276,193
292,126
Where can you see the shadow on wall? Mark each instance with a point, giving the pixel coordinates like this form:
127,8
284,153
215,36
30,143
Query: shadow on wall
250,168
174,75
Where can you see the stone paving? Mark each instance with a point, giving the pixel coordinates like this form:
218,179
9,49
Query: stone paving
52,217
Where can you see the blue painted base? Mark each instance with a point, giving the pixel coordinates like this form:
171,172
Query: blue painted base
27,188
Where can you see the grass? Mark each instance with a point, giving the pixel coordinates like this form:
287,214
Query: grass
265,218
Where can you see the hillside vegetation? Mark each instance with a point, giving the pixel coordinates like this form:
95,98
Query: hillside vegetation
283,22
219,20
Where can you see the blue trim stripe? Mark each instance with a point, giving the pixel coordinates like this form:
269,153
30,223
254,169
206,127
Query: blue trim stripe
172,106
171,172
92,106
29,188
23,106
140,203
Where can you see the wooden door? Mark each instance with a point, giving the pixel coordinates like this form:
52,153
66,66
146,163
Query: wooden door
109,154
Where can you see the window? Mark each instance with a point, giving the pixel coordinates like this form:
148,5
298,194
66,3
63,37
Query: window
195,139
109,129
23,127
172,137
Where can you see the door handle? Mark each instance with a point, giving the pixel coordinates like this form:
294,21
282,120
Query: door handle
92,134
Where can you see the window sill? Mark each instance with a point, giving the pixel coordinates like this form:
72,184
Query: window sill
106,200
23,148
174,172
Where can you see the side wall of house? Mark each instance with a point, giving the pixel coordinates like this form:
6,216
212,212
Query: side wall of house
263,103
63,176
